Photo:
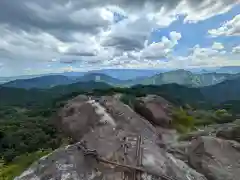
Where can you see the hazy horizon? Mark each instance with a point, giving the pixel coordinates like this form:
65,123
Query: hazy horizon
133,72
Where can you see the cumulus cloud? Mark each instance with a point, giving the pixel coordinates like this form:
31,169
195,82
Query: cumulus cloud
200,10
230,28
209,57
129,34
161,49
217,46
236,49
199,52
93,33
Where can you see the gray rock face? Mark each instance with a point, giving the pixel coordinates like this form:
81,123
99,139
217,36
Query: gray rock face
155,109
104,130
66,163
77,118
217,159
179,150
211,130
231,133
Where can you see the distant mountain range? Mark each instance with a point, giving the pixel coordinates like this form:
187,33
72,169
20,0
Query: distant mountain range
188,78
43,82
181,77
29,97
228,69
225,91
129,74
122,74
99,77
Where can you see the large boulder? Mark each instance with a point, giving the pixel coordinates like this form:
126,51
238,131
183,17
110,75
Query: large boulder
155,109
217,159
211,130
230,133
77,117
113,123
66,163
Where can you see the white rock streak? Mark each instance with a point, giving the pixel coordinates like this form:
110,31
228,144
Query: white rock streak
100,110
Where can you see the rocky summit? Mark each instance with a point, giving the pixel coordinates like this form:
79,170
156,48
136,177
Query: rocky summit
112,141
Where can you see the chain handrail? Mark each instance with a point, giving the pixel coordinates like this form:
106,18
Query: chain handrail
94,154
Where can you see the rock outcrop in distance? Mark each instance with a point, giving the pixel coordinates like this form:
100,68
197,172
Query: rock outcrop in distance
104,124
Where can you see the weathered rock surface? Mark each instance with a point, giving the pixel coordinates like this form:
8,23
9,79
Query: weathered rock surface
217,159
179,150
77,117
104,130
211,130
231,133
66,163
155,109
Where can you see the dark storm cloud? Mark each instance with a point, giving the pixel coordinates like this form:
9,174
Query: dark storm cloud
130,35
19,14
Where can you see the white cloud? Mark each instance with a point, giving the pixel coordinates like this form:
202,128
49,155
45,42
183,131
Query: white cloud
198,57
194,11
208,57
28,70
162,18
53,60
217,46
161,49
68,69
207,52
203,10
236,49
84,34
230,28
175,36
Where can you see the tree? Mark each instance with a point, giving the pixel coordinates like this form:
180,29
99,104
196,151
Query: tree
182,121
221,112
222,116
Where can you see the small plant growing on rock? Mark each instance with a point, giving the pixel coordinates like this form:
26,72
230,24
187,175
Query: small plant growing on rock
182,122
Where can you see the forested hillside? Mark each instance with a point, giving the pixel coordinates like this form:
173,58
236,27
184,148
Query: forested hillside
26,116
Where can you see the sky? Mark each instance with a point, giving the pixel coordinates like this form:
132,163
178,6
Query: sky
42,36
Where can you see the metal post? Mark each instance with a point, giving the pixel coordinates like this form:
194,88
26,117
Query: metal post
125,177
139,174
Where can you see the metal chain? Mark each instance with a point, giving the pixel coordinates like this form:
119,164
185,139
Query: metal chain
94,154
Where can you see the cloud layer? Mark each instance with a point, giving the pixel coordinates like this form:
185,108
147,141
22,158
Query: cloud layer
51,36
229,28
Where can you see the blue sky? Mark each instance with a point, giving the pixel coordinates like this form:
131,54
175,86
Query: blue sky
197,33
47,37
